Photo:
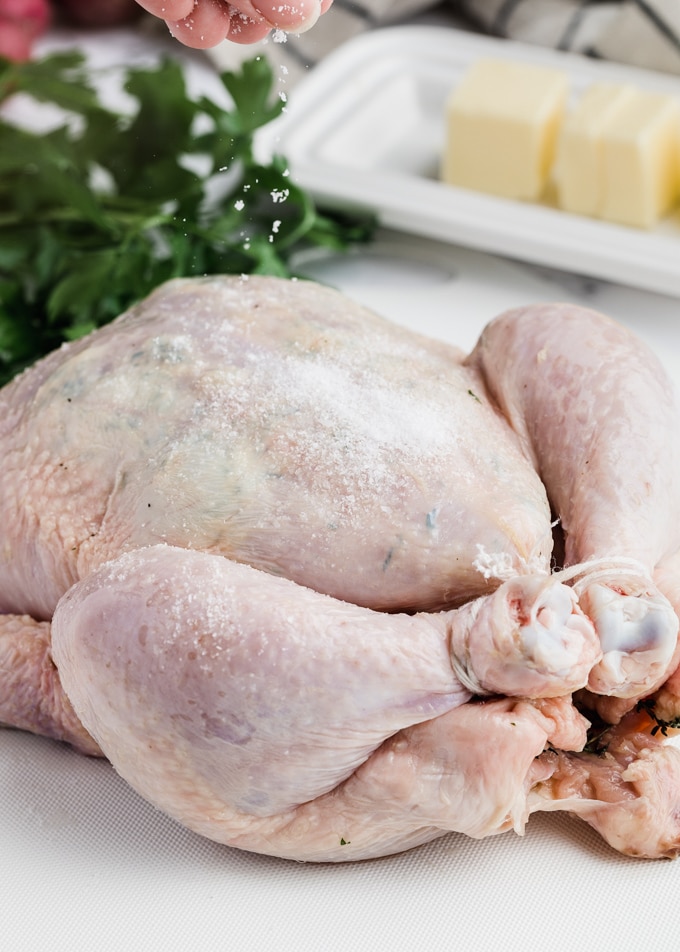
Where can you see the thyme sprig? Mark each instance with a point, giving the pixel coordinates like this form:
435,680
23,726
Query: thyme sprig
660,726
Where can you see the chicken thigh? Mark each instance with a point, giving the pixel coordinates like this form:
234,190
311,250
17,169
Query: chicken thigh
279,549
276,719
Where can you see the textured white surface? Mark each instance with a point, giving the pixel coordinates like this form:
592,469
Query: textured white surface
89,865
86,864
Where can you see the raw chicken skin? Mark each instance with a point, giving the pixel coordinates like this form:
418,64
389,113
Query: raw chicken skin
277,693
275,424
287,549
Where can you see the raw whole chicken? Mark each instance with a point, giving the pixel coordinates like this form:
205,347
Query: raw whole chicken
323,588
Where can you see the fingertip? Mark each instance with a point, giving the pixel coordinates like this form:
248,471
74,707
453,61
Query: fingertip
243,29
206,26
294,16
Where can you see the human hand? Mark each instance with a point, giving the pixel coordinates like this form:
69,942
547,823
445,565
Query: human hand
204,23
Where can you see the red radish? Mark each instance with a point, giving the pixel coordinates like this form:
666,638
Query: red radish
21,22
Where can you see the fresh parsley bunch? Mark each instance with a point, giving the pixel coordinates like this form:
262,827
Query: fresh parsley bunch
97,212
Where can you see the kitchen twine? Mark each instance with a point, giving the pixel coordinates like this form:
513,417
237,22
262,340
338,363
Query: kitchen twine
500,565
589,572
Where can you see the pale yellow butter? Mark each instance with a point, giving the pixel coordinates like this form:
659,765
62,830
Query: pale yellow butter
502,123
619,155
640,160
579,170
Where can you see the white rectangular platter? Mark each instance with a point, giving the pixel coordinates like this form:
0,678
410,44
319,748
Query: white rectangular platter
366,130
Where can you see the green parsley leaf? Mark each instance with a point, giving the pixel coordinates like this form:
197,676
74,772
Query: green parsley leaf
97,212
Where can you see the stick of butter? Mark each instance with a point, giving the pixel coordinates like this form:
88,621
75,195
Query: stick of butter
619,155
579,167
641,171
502,123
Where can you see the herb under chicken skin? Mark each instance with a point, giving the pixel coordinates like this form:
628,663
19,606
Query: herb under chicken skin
599,730
660,726
597,741
97,212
